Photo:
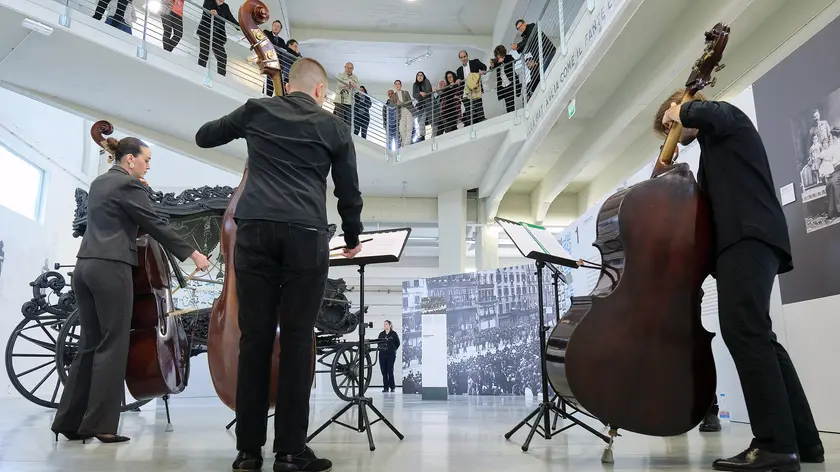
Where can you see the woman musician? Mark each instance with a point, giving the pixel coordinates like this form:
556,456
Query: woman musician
118,205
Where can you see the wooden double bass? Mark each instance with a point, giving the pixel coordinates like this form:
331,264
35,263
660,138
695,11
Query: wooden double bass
159,351
634,353
223,334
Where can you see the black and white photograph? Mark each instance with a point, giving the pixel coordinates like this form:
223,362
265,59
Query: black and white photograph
816,137
415,302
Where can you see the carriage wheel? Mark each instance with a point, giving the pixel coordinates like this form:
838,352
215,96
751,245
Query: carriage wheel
30,360
345,371
66,349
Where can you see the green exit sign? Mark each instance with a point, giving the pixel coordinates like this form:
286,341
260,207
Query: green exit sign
571,108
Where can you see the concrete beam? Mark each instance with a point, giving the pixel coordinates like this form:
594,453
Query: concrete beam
651,78
311,35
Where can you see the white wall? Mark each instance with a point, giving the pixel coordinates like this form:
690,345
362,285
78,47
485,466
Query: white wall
54,141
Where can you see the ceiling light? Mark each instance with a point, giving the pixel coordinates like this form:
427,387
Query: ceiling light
36,27
420,57
154,6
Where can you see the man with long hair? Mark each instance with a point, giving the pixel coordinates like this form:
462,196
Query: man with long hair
752,247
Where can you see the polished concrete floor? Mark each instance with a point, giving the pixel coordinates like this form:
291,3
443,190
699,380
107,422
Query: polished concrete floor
464,434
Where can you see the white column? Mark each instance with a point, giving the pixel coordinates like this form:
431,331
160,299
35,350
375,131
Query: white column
452,232
487,248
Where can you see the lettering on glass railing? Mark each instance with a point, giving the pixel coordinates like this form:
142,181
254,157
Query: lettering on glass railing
579,45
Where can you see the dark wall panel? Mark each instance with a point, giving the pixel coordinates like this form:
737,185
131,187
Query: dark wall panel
785,101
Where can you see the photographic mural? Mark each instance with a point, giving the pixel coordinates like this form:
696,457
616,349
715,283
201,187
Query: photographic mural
492,329
816,137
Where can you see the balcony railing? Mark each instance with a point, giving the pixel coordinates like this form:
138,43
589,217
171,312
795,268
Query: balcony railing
217,45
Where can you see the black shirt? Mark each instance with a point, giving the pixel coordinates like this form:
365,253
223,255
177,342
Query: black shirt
390,346
735,174
292,144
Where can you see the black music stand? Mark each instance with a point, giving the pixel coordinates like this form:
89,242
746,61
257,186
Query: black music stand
383,247
535,243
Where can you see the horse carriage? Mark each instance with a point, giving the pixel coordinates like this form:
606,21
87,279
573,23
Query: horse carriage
48,336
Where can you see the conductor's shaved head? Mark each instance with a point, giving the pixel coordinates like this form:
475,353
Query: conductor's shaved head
310,77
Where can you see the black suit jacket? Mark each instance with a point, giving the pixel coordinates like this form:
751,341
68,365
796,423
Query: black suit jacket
276,40
118,204
735,174
475,66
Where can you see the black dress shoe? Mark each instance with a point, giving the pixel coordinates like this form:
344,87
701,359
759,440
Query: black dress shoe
247,461
812,455
305,461
754,459
710,424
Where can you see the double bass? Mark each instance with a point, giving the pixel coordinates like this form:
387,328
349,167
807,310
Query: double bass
159,350
634,353
223,333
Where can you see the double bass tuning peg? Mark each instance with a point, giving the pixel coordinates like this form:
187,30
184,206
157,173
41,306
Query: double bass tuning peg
720,67
713,82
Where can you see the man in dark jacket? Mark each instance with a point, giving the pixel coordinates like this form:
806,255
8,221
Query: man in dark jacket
279,43
529,45
473,107
282,240
752,247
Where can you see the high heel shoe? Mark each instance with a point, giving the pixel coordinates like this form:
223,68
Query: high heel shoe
70,436
107,439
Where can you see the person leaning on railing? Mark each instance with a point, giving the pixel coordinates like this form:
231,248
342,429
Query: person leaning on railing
529,43
507,84
361,112
218,36
450,106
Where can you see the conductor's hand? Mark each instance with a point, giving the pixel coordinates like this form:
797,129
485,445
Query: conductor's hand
351,253
201,261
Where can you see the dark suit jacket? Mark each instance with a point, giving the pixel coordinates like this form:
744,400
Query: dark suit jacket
118,204
276,40
735,174
475,66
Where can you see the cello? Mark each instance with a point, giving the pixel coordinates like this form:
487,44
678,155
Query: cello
159,351
223,333
634,353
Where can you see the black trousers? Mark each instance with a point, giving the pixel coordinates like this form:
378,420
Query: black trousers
278,266
507,94
386,366
94,390
473,111
173,30
119,14
343,111
779,412
360,125
219,39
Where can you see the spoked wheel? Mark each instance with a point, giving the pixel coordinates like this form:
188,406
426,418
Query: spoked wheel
67,348
30,360
345,371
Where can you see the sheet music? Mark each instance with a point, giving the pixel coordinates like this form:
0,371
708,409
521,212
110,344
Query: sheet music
386,243
549,242
520,236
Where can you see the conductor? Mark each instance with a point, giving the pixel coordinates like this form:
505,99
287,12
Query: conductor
281,255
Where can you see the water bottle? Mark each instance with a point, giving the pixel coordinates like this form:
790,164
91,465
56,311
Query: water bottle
723,409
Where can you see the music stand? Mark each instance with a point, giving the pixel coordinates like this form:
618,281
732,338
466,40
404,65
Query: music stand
539,245
384,246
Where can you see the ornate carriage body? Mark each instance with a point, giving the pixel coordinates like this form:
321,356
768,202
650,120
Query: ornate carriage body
194,214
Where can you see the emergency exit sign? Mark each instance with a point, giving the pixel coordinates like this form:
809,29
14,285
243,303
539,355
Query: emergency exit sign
571,108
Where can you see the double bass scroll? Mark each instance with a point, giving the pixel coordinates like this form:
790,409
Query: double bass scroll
252,14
